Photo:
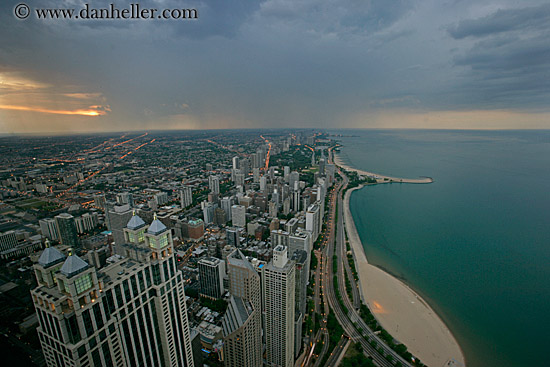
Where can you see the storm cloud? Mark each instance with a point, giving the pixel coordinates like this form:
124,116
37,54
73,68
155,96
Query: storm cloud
277,63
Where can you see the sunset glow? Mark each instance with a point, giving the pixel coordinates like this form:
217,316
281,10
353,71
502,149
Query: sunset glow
81,112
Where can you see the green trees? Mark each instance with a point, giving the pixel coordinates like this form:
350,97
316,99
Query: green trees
356,357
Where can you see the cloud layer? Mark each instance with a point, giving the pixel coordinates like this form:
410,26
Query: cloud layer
277,63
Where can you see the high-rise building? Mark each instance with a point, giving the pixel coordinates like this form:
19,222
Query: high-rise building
99,201
244,166
278,286
232,236
125,198
8,240
300,240
239,179
296,200
286,206
256,175
161,198
300,258
214,184
279,238
49,228
322,166
238,215
242,327
330,170
86,222
239,326
312,221
273,208
219,216
117,218
132,311
286,173
236,162
293,177
186,196
211,273
67,229
226,204
263,183
208,212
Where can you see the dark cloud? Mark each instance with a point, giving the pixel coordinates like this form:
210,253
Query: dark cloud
536,17
508,65
283,62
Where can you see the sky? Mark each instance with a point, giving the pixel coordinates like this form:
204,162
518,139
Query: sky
450,64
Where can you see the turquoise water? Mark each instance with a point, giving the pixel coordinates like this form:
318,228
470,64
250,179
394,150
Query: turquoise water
475,243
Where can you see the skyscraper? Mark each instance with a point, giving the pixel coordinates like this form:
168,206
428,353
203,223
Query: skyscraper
313,221
278,284
226,204
117,218
214,184
292,179
129,312
125,198
208,212
300,258
238,215
186,196
49,228
239,179
242,322
211,273
67,229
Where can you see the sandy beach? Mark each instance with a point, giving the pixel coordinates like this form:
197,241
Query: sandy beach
401,311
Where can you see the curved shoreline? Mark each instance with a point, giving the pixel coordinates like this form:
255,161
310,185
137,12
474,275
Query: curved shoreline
382,178
398,308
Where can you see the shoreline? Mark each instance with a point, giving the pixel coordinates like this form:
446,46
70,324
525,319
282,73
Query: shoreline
398,308
379,177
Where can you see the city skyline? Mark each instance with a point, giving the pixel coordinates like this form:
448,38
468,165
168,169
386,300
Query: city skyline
248,64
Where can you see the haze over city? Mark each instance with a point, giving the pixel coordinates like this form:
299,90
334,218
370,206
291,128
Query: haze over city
279,63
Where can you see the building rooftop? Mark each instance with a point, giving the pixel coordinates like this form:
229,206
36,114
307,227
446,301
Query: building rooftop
50,256
135,222
73,265
238,259
156,227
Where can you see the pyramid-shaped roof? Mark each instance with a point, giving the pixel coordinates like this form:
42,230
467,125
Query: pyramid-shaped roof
135,222
73,265
156,227
238,258
50,256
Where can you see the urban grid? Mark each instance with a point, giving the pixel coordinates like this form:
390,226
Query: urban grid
185,248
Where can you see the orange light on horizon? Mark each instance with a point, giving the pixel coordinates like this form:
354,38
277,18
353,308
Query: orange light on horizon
93,111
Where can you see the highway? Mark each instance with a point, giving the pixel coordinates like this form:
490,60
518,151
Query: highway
336,245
